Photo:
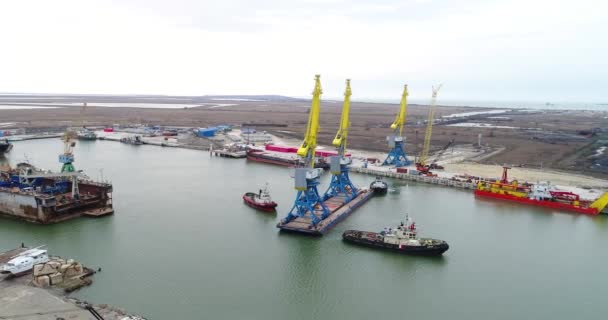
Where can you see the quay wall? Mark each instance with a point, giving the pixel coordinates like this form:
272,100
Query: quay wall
417,178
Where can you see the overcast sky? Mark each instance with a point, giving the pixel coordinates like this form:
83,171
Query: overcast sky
545,50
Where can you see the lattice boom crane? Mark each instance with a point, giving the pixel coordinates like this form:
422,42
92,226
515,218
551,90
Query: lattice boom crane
429,130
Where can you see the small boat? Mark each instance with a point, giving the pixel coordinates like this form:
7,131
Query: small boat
403,239
379,186
86,134
260,200
136,140
25,261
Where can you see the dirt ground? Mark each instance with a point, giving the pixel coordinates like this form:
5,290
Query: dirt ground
562,140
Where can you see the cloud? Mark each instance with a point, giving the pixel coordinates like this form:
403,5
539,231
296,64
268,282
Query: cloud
499,49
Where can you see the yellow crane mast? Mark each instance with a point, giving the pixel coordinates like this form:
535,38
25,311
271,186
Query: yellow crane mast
342,135
309,145
396,142
400,118
429,129
340,184
308,202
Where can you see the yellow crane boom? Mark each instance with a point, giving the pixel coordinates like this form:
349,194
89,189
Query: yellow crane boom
308,146
342,135
429,128
400,118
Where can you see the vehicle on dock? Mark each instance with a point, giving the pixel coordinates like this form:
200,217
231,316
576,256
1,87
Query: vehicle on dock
25,261
136,140
5,146
403,239
379,186
261,200
86,134
541,194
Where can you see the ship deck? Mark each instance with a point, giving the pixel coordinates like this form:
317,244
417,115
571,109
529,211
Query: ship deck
338,211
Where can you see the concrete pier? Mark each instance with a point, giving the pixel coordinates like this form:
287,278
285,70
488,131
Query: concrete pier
417,178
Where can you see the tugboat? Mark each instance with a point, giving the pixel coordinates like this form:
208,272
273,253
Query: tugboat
136,140
379,186
86,134
5,146
403,239
260,200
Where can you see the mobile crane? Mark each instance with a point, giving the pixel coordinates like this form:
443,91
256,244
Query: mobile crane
421,164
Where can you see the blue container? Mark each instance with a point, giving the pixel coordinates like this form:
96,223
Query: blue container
207,132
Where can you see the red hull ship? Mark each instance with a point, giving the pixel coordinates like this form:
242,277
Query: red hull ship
260,201
541,195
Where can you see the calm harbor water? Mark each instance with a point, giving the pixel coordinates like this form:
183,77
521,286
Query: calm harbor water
183,246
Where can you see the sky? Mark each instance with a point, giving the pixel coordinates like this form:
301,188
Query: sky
496,50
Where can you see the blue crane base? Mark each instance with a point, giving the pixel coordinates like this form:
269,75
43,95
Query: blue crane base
341,184
397,156
307,201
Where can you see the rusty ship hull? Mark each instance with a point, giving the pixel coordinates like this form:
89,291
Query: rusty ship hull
95,200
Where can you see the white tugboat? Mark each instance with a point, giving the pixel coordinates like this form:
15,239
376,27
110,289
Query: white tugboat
403,238
25,261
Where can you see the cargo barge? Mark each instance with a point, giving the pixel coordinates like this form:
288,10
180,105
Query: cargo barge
338,212
541,194
270,158
44,197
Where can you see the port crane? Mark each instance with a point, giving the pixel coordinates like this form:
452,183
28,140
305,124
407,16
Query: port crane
421,164
308,201
67,157
434,164
396,142
340,181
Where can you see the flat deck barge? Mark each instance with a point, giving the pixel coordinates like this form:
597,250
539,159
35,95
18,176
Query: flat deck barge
338,211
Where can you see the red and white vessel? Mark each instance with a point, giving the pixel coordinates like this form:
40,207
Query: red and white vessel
260,200
541,194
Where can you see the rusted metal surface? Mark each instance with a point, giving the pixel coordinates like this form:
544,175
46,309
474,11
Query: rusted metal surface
95,200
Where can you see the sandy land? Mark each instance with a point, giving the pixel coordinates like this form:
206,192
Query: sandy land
529,175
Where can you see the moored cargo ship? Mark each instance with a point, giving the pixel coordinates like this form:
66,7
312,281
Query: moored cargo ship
44,197
286,161
541,194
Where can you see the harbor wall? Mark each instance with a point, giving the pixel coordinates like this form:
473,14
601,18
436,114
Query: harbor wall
417,178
